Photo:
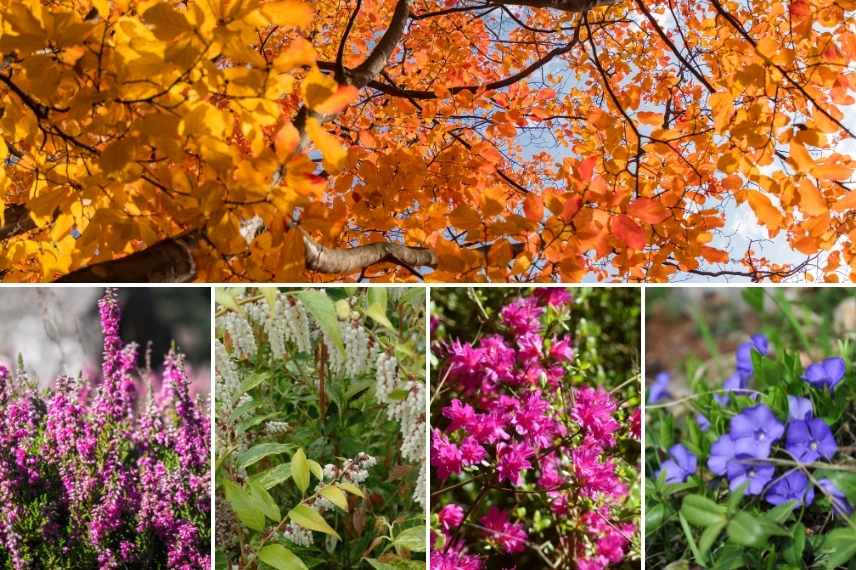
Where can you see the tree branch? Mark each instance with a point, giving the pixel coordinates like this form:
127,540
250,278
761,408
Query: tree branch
350,260
672,46
564,5
340,54
376,60
499,84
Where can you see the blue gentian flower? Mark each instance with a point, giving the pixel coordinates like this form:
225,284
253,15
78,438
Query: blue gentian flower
825,374
732,383
810,439
745,468
799,408
680,465
659,390
791,487
754,430
721,453
840,505
760,344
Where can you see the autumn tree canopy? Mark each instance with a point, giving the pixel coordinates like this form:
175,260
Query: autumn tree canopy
521,140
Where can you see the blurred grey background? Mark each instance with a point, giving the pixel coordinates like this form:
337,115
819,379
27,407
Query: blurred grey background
56,329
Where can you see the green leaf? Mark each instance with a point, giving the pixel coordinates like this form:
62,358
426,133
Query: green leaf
335,495
265,502
701,511
749,530
654,517
415,297
343,309
780,513
690,540
395,564
754,297
376,309
244,507
324,310
274,476
254,380
307,517
260,451
838,547
352,489
709,536
270,295
398,395
281,558
730,557
794,550
412,539
316,469
736,496
226,299
300,470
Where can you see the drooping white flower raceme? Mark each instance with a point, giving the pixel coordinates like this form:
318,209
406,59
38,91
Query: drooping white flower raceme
240,332
357,348
408,411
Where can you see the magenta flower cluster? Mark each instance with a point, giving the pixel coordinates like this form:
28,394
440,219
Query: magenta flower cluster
519,423
88,480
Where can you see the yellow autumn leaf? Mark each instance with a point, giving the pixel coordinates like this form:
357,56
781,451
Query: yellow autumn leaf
830,170
317,88
288,13
286,141
300,52
331,149
812,202
116,155
847,202
802,160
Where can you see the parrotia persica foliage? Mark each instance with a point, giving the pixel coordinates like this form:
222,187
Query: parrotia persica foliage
505,139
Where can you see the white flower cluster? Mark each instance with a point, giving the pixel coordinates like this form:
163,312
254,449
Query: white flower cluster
274,427
409,412
287,321
241,334
297,534
357,351
226,376
335,360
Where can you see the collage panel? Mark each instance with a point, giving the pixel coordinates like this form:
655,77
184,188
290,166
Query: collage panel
535,428
750,427
104,428
320,428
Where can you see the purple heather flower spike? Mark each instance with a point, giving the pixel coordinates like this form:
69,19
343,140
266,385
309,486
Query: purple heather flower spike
826,373
808,440
659,390
754,430
746,468
680,466
721,453
799,408
840,505
792,486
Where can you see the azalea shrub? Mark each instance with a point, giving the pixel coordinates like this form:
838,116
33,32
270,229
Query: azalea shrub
750,452
320,428
96,474
535,428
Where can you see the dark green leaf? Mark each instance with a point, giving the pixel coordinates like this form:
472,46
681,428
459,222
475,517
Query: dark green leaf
701,511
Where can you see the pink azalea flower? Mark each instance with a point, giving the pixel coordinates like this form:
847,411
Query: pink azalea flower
512,460
562,350
510,536
451,516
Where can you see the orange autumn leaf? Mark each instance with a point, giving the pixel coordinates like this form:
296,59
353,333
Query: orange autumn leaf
286,141
628,232
586,168
648,210
765,211
533,207
846,202
803,162
812,202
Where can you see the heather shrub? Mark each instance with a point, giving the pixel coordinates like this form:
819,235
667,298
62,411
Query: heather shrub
320,428
535,428
750,448
96,476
